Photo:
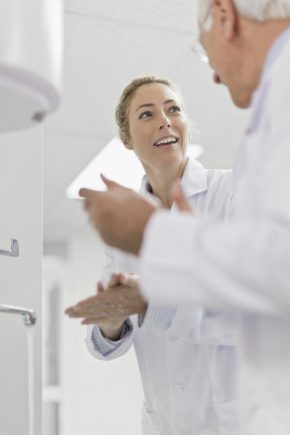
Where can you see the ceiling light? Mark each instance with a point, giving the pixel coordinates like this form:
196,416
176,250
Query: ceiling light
116,163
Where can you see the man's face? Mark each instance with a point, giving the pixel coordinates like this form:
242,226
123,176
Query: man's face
226,57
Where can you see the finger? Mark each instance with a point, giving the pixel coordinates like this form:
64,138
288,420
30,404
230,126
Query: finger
68,310
133,275
83,313
114,280
73,314
125,279
95,320
88,193
86,302
128,279
100,287
75,308
110,183
89,321
179,198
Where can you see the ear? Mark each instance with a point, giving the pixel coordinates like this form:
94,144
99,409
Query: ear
128,145
228,17
127,142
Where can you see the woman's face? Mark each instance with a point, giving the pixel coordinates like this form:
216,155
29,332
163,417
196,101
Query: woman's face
158,126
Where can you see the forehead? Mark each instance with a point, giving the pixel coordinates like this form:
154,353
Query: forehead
153,93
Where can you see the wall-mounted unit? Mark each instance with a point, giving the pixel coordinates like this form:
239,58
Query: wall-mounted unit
31,42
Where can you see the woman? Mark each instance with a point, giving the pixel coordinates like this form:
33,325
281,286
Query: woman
185,354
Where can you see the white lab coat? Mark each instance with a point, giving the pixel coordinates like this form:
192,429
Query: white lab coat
187,367
244,265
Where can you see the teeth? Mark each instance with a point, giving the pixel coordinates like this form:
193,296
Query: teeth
166,140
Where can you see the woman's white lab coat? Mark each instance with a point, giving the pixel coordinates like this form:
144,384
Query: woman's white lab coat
187,364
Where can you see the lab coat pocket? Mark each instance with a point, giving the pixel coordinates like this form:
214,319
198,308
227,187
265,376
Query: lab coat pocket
222,367
150,421
218,328
226,414
221,361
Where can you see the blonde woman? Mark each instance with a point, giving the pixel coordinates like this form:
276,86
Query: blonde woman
186,355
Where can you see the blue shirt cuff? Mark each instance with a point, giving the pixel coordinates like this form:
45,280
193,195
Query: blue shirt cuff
104,345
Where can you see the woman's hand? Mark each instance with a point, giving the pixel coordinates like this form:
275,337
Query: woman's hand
110,307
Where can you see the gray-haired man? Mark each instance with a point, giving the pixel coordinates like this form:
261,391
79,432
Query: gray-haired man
242,265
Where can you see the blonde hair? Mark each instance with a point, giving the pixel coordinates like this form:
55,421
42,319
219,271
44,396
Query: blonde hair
259,10
123,107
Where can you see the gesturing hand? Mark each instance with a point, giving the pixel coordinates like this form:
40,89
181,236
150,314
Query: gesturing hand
120,215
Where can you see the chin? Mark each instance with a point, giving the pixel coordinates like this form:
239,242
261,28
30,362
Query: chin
241,101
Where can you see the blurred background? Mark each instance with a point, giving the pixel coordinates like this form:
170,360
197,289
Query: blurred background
107,44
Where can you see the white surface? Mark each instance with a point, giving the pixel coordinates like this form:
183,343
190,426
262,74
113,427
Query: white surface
113,161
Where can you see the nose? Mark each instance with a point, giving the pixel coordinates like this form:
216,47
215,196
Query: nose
164,122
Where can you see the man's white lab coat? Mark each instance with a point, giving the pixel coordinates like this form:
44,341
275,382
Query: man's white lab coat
186,355
242,266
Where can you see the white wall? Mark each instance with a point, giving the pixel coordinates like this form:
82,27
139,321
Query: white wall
20,278
99,397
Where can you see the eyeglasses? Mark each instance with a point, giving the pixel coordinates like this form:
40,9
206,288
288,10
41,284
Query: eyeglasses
199,51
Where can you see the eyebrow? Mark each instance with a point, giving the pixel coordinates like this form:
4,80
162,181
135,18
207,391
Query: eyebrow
152,105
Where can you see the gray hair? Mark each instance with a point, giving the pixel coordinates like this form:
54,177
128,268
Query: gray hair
260,10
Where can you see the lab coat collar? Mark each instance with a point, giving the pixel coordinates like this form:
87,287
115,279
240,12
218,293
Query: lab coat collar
278,50
193,181
272,61
194,178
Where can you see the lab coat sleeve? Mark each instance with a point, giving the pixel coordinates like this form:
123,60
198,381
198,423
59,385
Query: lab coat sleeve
157,317
239,265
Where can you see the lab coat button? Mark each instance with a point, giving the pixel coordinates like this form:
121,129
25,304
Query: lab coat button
173,338
179,388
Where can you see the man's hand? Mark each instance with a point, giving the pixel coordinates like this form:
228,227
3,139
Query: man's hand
120,215
110,307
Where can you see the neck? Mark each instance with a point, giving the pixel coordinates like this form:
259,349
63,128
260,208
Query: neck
162,178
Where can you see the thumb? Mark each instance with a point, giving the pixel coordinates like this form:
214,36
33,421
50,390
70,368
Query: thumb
179,198
109,183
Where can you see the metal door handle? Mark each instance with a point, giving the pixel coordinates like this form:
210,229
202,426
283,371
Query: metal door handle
14,249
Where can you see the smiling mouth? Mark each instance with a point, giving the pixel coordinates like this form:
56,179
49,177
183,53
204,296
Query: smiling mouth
170,140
